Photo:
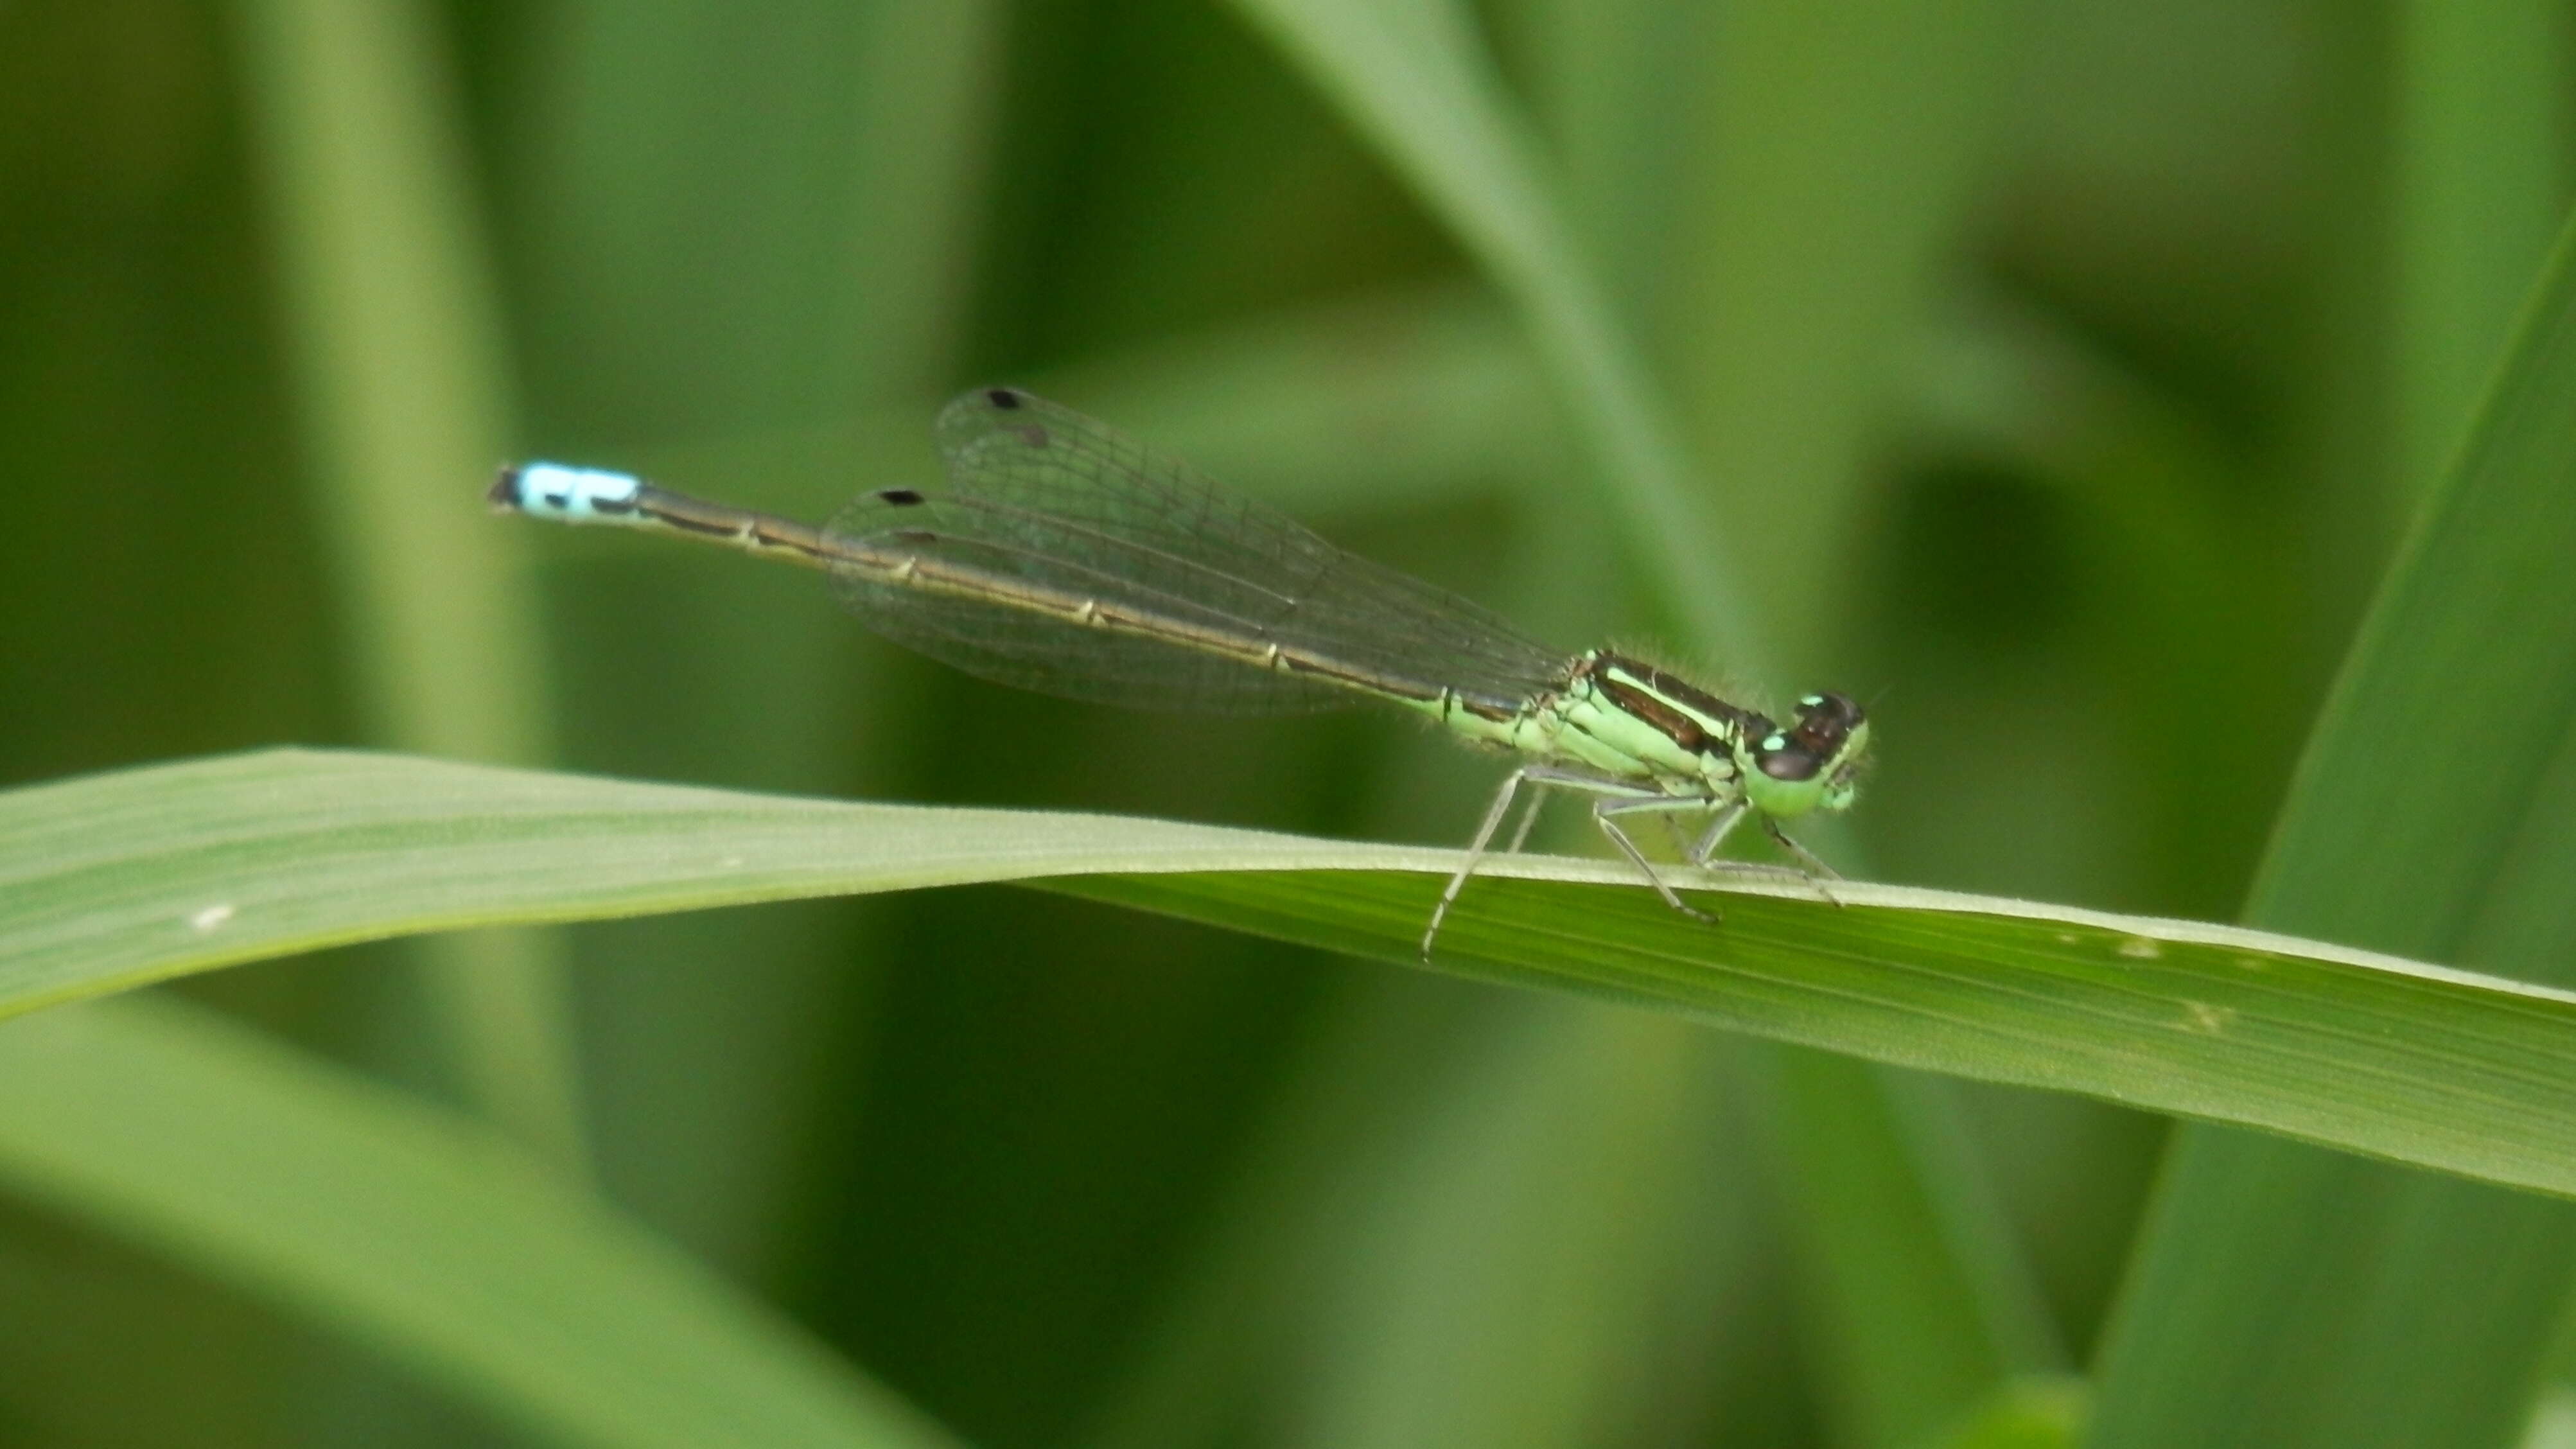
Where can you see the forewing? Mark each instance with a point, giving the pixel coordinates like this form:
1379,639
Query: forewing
1053,505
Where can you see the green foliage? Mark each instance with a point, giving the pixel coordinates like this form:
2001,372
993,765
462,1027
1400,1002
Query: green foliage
148,874
2062,379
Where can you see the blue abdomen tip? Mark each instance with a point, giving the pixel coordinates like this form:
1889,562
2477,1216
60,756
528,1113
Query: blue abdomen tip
567,494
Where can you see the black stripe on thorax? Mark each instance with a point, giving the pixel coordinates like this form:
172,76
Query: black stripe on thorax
1668,703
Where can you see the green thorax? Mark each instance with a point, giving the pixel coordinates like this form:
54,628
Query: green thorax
1627,720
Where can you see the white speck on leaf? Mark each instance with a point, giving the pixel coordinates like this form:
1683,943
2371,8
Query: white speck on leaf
210,918
2207,1018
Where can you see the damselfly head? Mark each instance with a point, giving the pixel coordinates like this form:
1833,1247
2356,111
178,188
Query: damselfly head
1813,763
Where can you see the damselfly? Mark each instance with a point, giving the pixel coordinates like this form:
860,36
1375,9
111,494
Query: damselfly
1067,558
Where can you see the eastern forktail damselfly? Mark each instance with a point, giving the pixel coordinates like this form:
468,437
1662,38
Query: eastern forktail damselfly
1067,558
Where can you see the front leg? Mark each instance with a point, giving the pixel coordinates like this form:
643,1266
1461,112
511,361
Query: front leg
1817,872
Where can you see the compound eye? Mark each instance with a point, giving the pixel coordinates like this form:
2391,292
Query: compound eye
1782,759
1825,723
1840,709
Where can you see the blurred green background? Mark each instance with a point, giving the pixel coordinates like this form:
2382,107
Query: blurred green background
2058,378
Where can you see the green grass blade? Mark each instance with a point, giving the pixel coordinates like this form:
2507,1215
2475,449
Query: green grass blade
412,1229
394,328
2482,113
114,880
1417,85
394,324
2288,1297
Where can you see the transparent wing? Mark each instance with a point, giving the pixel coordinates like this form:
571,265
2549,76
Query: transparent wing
1045,503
